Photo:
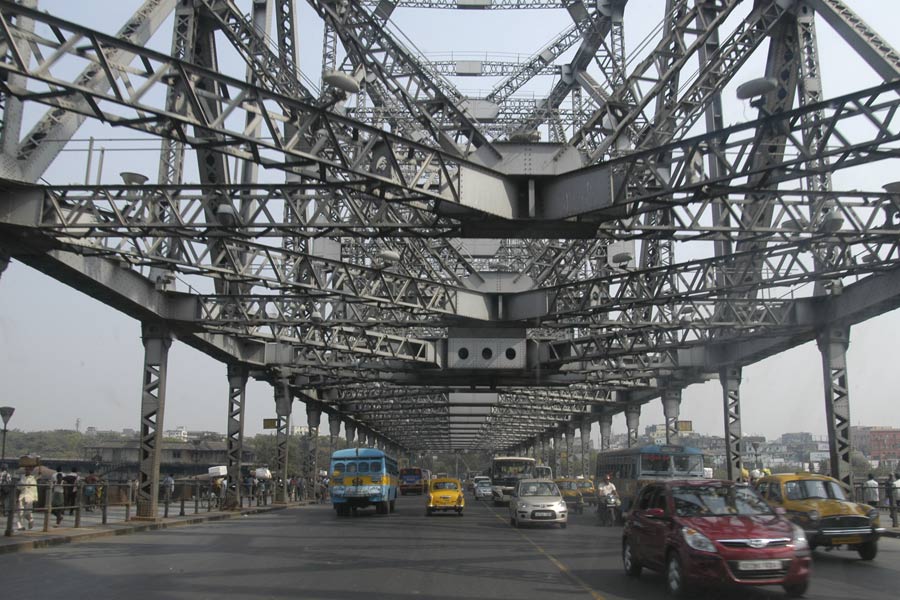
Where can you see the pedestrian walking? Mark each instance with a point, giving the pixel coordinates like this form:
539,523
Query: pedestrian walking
897,489
870,491
28,495
71,480
90,491
58,498
168,486
6,488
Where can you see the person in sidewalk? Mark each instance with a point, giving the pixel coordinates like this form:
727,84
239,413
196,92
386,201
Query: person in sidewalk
870,491
28,496
58,498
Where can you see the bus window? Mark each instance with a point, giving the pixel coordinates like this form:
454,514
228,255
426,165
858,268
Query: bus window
688,464
351,467
363,467
375,467
655,463
339,467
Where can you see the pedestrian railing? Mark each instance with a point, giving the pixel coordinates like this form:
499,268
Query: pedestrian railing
81,505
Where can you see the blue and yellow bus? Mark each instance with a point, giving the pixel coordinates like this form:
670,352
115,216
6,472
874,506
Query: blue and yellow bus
361,477
632,468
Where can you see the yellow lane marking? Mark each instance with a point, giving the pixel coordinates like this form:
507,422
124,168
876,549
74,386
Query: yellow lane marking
562,568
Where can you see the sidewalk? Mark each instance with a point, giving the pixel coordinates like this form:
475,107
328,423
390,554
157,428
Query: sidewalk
36,538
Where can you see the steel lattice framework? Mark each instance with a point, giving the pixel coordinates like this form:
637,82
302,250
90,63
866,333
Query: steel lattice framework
447,271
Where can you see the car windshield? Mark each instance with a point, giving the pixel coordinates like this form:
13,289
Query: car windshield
445,485
586,485
567,485
717,501
802,489
539,488
483,484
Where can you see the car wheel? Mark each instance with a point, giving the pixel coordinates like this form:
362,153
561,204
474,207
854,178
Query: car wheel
675,583
868,551
427,512
563,525
513,522
392,505
632,567
796,590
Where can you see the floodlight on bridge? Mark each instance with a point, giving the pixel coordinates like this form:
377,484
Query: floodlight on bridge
756,88
131,178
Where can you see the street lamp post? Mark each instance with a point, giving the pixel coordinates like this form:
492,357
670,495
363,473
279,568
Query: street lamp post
5,413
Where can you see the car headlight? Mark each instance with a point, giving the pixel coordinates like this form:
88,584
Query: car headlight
872,514
800,542
697,540
813,515
522,506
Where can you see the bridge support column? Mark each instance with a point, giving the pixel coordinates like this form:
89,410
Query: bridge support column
605,424
283,400
310,467
833,344
542,459
237,391
350,432
585,432
334,430
731,395
570,447
632,422
156,342
671,409
557,452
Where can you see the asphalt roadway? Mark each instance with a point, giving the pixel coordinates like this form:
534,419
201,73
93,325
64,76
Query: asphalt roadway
307,552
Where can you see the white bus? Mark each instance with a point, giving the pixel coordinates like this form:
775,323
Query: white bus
506,471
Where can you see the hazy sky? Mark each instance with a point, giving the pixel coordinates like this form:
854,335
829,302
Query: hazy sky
65,356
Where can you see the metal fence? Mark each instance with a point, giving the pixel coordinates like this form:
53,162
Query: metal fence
88,505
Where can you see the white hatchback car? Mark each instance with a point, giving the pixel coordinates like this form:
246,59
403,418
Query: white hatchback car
537,501
483,489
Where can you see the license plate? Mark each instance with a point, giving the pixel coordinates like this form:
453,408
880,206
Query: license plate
850,539
543,513
759,565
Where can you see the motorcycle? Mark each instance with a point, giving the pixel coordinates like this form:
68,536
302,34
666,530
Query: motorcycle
608,510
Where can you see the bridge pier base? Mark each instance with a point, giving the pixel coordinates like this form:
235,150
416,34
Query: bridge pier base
833,344
730,380
632,422
283,400
237,393
156,342
671,400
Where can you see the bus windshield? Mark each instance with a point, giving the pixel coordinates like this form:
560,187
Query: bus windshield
507,470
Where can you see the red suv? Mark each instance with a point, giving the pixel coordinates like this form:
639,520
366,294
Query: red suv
706,532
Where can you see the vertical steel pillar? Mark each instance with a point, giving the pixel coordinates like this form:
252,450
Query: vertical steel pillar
11,107
605,424
730,378
671,400
542,441
237,391
283,400
156,342
557,452
350,432
570,447
632,421
833,344
311,467
334,430
585,431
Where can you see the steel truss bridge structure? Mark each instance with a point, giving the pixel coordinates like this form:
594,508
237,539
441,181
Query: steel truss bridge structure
438,271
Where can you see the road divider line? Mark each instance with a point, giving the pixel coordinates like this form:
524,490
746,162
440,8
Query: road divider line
556,562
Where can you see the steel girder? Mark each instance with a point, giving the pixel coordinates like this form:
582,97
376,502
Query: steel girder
360,325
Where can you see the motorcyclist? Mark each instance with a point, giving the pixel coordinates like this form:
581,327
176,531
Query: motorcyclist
605,490
607,487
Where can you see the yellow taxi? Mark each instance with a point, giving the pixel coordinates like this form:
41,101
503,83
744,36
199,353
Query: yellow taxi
445,494
588,492
571,492
820,505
